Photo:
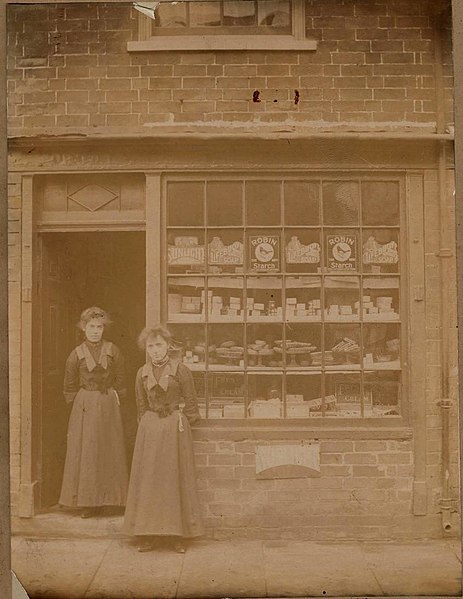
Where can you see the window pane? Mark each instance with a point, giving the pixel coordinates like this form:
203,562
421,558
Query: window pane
204,14
186,299
381,346
342,298
302,203
225,299
302,250
274,13
381,298
225,251
343,395
265,392
169,14
239,13
342,346
226,347
226,396
185,251
185,204
264,299
302,341
342,250
189,343
303,395
224,203
384,390
380,203
341,203
263,248
199,379
303,299
380,251
263,203
262,339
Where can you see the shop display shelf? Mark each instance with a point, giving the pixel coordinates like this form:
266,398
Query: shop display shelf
343,367
219,319
303,319
342,318
197,367
392,365
225,368
182,318
277,319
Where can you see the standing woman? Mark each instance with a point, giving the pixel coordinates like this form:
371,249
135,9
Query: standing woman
162,499
95,471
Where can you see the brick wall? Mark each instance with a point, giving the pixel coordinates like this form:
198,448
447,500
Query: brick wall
365,491
69,68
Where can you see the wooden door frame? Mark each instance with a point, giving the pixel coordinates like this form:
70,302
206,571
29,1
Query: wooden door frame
31,334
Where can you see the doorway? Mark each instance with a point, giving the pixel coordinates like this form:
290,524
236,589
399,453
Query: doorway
78,270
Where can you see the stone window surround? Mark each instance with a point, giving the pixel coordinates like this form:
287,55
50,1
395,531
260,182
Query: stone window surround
298,40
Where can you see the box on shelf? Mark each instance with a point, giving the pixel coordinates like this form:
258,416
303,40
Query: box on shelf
233,411
261,408
297,411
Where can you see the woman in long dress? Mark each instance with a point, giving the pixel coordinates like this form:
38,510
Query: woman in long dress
95,470
162,499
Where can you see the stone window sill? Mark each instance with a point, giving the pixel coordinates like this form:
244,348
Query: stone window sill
221,42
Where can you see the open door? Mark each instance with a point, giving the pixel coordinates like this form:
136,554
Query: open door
79,270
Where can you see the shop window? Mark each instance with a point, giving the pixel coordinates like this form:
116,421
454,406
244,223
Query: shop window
225,25
284,296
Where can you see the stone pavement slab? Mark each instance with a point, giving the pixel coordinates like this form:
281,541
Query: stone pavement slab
223,569
57,567
419,568
317,569
112,568
125,573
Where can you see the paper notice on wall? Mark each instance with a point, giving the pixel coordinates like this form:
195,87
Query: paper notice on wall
300,460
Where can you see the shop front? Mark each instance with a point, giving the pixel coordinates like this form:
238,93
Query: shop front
293,274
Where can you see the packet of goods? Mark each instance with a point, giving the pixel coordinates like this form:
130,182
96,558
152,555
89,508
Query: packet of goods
346,345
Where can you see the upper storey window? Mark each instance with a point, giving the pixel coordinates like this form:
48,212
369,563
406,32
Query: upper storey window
225,25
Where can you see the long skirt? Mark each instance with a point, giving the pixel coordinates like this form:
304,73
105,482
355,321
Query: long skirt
95,471
162,498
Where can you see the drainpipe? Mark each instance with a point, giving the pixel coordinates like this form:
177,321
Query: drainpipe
447,503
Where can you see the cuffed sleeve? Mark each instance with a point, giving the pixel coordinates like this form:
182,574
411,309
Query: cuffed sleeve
71,377
140,395
188,391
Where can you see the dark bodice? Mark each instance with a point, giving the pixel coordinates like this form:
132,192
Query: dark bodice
174,388
95,368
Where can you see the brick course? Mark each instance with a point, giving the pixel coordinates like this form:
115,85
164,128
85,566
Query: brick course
383,53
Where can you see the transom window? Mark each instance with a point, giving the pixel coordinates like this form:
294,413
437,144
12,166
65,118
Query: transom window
284,295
